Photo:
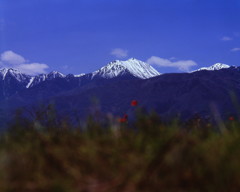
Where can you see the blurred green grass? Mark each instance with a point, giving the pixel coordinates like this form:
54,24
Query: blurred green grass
147,155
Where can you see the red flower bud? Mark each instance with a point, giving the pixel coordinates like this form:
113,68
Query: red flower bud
122,120
231,118
134,103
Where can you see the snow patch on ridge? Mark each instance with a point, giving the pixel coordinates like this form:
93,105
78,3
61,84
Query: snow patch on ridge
30,82
80,75
3,72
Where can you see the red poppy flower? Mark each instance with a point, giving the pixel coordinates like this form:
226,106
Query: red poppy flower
122,120
134,103
231,118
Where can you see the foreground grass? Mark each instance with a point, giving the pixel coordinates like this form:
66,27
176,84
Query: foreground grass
146,156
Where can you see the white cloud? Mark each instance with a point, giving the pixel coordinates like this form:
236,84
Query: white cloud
9,59
235,49
12,58
182,65
33,68
119,53
226,38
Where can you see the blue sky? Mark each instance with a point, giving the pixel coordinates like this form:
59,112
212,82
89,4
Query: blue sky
80,36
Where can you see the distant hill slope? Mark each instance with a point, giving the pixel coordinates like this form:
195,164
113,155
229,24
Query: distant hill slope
184,94
170,95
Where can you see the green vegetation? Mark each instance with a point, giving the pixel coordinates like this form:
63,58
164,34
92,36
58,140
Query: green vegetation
149,155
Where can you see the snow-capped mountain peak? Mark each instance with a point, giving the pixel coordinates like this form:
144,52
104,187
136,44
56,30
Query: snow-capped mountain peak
55,74
214,67
132,66
14,73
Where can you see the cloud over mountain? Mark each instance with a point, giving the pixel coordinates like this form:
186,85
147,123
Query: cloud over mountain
119,53
182,65
10,59
226,38
235,49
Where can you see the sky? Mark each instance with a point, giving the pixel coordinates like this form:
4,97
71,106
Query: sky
81,36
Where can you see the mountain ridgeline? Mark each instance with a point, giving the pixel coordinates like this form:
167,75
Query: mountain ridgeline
208,91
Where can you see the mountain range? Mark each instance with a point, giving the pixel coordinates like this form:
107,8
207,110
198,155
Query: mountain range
111,88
